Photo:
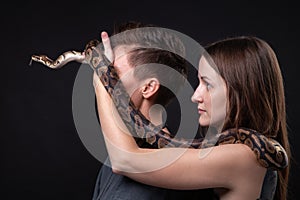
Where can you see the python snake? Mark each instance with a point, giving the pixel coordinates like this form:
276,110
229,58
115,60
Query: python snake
269,153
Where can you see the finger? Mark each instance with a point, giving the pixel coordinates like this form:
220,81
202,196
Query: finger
107,47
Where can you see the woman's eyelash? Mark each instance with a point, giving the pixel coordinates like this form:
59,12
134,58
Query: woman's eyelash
208,85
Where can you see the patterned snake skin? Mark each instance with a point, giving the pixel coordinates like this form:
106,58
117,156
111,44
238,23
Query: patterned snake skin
269,153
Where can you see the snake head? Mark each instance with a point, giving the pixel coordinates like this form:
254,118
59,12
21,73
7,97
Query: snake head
41,59
36,58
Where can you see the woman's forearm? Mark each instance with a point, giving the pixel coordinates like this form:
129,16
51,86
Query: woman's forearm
120,145
110,122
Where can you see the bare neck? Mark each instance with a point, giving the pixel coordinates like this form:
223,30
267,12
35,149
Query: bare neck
153,112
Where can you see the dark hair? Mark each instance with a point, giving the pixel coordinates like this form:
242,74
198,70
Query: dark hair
156,59
255,91
147,36
153,45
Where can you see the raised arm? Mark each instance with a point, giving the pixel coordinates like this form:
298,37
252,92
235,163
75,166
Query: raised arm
178,168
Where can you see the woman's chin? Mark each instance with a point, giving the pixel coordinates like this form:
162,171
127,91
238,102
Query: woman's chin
204,122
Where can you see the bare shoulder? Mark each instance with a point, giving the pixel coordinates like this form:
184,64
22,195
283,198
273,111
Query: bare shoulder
240,162
238,155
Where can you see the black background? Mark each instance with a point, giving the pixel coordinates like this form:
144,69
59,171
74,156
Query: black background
42,156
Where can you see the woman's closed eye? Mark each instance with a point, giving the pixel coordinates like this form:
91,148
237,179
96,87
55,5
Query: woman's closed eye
206,83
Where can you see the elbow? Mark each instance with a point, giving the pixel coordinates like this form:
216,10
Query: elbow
121,166
126,162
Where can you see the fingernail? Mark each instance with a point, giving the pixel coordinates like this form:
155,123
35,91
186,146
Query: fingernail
104,35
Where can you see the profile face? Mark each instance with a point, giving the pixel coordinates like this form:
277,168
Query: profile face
210,95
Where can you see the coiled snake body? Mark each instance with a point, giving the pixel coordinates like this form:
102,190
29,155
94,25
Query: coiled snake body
269,153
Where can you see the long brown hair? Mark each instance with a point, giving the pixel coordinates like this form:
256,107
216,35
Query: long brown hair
255,89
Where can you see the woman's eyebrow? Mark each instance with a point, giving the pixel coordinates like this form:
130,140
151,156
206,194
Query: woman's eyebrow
205,78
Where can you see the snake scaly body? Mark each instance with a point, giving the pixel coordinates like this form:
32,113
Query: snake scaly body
269,153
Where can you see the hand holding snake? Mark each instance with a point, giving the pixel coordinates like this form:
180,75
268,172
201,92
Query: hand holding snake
269,152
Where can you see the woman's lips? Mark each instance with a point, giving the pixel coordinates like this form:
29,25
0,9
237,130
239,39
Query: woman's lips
201,111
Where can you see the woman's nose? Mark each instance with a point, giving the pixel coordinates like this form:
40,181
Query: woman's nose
198,95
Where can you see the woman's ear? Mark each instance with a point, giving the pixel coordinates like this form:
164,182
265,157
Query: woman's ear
150,88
